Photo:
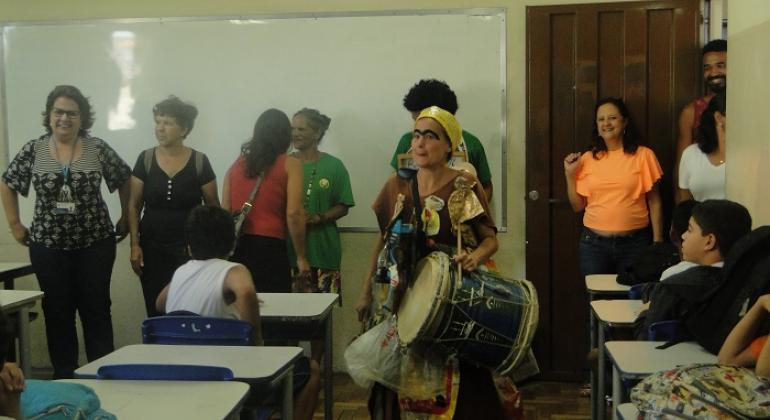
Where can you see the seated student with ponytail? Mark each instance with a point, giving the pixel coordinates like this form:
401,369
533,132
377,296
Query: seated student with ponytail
21,398
209,285
11,377
746,346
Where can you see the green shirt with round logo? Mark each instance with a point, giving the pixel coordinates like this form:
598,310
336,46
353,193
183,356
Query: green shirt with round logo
326,183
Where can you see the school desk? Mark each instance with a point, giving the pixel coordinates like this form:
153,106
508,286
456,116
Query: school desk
18,302
251,364
302,316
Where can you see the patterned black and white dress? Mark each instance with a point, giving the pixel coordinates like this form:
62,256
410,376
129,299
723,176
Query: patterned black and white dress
34,165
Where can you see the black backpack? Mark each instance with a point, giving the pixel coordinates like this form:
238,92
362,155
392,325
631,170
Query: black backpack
677,297
650,264
746,276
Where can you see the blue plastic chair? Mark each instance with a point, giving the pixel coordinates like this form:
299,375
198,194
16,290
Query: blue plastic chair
161,372
196,330
672,331
184,327
636,291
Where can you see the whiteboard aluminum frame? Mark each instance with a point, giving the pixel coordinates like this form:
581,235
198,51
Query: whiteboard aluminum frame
497,11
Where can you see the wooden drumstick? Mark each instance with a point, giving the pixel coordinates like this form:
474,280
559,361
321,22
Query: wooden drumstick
459,247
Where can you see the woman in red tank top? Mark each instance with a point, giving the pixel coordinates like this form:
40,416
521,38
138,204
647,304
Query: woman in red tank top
277,206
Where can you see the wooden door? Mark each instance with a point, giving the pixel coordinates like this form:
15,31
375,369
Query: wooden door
644,52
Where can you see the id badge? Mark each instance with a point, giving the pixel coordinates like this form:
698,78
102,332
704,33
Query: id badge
64,207
65,204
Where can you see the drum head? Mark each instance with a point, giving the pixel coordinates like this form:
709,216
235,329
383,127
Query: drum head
423,300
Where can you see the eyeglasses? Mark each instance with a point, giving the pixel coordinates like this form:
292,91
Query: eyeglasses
59,113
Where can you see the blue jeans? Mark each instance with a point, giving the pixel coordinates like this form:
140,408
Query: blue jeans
605,255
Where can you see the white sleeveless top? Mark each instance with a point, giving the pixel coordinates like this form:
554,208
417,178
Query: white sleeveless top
697,174
197,287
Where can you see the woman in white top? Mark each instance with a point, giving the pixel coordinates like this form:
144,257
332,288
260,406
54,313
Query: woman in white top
702,167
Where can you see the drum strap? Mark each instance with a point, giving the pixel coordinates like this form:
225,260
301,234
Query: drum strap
419,246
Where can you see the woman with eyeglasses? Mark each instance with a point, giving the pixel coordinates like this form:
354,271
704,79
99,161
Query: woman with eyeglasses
71,239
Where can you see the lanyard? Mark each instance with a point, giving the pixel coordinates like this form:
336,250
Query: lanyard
65,169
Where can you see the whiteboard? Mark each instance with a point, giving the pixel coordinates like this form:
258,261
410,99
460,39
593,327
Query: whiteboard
354,68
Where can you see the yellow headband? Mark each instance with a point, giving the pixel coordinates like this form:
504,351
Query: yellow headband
447,121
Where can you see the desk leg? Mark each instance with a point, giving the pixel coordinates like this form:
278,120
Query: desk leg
7,282
592,323
592,345
617,390
599,391
287,411
328,374
23,318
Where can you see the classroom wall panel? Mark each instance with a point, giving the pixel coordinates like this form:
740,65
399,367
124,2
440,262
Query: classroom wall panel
353,68
748,102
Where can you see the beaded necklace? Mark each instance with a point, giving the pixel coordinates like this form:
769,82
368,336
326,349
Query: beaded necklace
309,190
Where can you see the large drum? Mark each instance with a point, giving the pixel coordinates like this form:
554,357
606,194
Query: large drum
485,319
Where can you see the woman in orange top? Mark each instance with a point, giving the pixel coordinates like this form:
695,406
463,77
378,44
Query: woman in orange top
616,184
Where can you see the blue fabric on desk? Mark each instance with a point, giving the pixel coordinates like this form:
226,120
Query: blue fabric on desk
61,400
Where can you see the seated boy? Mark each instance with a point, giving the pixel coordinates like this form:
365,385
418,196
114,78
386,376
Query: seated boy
680,221
209,285
713,228
743,347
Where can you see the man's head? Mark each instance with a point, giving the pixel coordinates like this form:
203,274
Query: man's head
715,65
714,227
210,233
427,93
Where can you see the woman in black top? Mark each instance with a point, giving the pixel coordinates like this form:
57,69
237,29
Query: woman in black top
168,182
71,239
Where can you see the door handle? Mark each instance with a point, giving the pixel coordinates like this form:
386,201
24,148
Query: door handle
534,195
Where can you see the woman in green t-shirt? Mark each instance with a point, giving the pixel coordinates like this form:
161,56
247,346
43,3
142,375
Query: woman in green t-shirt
327,196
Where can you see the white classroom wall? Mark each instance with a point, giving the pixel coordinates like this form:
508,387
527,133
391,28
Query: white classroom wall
126,293
748,107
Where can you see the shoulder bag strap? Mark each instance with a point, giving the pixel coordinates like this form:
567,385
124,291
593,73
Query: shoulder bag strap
246,208
148,154
198,162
